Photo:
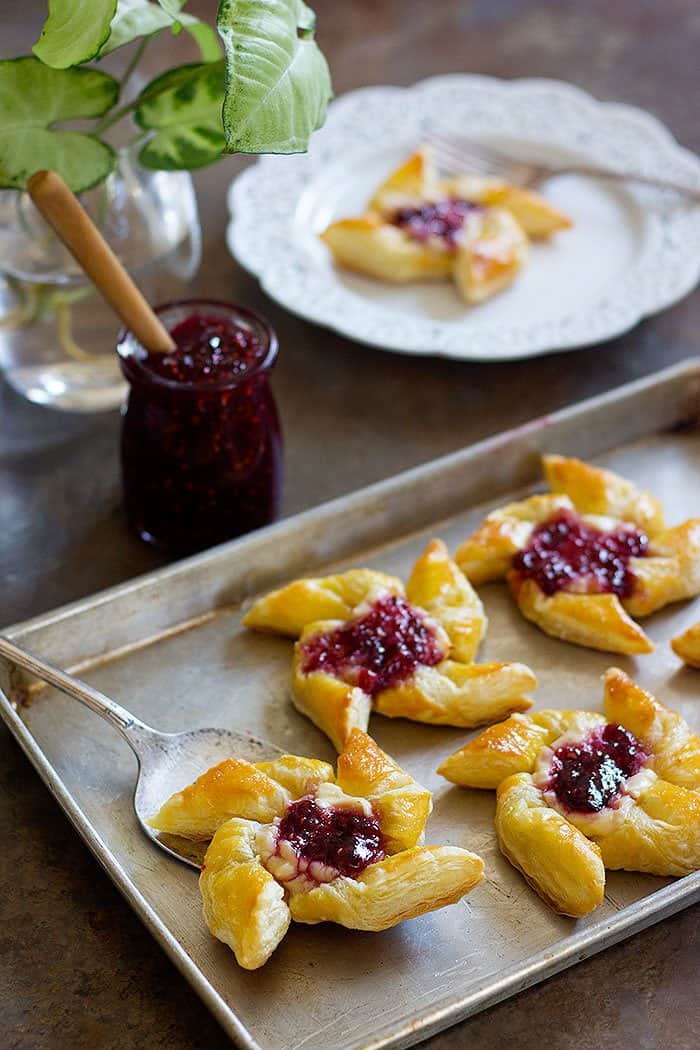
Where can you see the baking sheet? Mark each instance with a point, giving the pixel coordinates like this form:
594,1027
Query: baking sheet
169,647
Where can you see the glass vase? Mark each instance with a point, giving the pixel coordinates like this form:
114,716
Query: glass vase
56,333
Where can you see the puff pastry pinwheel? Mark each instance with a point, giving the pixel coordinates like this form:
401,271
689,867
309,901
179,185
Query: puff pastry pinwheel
367,644
578,792
419,226
293,841
583,560
687,646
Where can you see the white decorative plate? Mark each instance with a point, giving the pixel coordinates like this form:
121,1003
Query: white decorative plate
632,251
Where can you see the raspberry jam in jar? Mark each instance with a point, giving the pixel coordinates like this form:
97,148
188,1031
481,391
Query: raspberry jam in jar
201,443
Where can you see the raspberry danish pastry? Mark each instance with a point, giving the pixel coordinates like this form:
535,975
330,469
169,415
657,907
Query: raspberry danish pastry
582,561
419,227
294,841
366,643
578,792
687,646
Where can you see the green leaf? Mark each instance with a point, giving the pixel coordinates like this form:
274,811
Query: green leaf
139,18
172,8
33,97
134,19
74,31
277,80
306,19
205,37
183,109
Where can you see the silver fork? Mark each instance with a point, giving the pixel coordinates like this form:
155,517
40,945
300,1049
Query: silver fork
167,761
460,154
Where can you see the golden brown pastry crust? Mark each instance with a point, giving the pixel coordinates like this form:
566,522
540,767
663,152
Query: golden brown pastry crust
256,791
457,694
334,706
492,249
370,246
402,805
407,184
594,490
289,609
438,586
507,748
401,887
534,213
233,787
454,692
488,553
249,907
670,572
654,828
598,621
676,748
558,861
538,218
243,904
492,252
687,645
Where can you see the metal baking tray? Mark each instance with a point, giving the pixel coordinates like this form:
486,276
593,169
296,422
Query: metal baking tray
169,646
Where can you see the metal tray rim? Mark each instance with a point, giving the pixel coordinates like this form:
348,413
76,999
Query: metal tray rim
148,915
659,904
331,508
517,977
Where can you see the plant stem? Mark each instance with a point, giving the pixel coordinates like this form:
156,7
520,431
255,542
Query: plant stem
138,138
116,114
135,59
64,333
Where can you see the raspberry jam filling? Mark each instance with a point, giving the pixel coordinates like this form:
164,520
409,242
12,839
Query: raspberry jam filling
565,553
377,650
442,219
209,349
589,775
327,841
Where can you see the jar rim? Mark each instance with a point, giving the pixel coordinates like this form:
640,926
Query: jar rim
133,364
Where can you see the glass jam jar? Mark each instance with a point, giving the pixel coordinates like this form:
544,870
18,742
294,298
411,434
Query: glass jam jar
201,444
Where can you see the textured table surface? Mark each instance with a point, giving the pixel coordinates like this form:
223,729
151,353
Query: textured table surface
78,968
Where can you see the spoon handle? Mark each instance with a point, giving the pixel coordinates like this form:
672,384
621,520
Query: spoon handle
113,713
64,212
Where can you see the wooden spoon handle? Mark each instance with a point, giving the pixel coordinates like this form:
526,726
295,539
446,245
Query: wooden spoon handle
64,212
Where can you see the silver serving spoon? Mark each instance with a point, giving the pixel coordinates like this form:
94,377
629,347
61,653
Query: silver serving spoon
167,761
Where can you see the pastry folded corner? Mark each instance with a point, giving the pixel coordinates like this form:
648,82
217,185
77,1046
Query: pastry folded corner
397,888
563,866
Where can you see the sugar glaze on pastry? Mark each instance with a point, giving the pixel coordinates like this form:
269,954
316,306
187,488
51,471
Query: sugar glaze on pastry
578,792
586,559
366,643
322,847
687,645
418,226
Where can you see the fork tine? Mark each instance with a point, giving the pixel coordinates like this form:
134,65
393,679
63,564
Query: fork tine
458,154
473,160
463,144
454,161
462,154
